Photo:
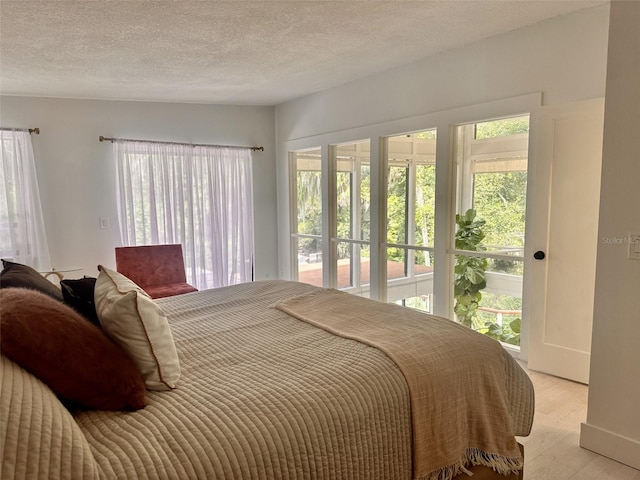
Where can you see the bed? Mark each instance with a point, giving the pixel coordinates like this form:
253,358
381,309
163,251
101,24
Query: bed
267,392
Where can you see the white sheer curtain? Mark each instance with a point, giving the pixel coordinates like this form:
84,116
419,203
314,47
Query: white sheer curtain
22,234
200,197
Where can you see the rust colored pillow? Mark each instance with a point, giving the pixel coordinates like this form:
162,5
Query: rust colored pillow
72,356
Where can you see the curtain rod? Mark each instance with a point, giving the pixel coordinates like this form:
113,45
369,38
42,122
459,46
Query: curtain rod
110,139
35,130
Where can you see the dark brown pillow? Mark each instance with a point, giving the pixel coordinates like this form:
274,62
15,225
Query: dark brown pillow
72,356
17,275
78,294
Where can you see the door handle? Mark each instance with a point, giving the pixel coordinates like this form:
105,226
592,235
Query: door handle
539,255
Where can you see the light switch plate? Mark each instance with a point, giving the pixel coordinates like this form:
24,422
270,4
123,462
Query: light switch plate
104,223
634,246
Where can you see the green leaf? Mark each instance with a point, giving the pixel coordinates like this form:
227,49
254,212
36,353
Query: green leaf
515,325
469,271
470,215
494,328
475,276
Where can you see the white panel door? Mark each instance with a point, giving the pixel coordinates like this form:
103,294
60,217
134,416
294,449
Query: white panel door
567,193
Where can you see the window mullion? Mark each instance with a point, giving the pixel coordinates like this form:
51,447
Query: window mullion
329,217
356,216
293,215
411,215
378,250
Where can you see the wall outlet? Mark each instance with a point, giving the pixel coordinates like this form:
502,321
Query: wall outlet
634,246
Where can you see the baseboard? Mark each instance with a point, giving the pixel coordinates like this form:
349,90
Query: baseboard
621,449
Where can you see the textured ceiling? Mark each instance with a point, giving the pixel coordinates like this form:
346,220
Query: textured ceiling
235,52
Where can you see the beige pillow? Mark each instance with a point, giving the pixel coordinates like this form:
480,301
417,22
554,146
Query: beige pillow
130,317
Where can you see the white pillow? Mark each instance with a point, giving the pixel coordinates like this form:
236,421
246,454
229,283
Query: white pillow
131,319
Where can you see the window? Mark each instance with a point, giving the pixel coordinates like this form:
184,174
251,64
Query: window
373,212
345,225
198,196
491,160
411,177
22,234
306,225
353,217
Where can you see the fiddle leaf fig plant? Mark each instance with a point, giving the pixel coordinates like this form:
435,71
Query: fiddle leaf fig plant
509,332
469,278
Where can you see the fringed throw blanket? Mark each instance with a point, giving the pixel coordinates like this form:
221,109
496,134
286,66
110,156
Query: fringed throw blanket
456,379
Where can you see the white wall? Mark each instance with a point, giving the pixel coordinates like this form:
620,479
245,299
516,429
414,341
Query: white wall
563,57
613,420
76,173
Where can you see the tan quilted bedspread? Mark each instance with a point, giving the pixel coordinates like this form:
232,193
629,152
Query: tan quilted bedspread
440,360
262,396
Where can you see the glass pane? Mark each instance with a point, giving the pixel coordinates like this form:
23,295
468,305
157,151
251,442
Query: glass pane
396,263
344,182
421,302
411,188
412,291
353,265
353,190
424,216
365,265
397,203
307,196
500,200
500,317
400,259
423,262
500,265
491,159
365,201
488,296
309,260
502,127
309,202
345,273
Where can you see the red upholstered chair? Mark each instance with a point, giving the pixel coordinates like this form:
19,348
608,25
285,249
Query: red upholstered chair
157,269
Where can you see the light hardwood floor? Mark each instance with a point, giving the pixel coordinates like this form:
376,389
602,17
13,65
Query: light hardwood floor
552,451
